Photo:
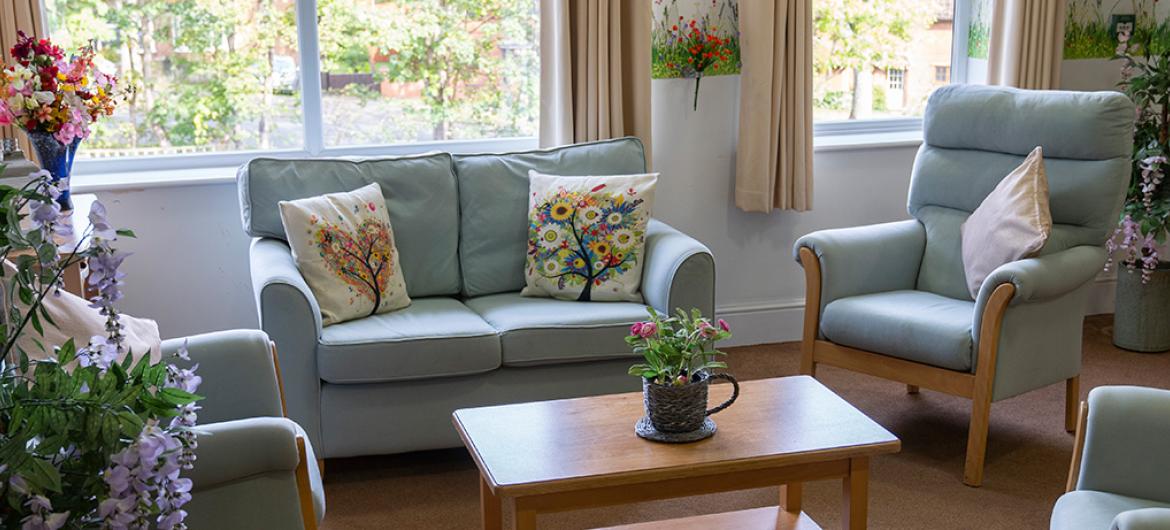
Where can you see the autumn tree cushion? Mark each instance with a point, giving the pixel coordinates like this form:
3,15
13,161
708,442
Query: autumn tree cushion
587,236
1012,222
344,247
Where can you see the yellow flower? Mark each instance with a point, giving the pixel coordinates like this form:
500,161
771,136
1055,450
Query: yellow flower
599,247
578,263
561,210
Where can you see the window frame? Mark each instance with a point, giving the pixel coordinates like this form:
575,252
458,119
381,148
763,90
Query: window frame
960,21
312,122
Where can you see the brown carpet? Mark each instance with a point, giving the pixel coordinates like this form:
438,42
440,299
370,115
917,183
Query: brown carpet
1027,459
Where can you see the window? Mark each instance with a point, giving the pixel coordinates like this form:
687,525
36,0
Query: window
228,79
895,78
942,74
880,82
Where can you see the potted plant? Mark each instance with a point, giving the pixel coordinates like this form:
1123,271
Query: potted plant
1143,284
89,437
680,354
54,100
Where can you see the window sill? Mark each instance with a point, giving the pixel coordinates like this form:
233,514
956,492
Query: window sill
877,140
141,180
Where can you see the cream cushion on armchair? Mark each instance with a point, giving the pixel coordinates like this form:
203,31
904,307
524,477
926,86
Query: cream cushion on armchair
1013,222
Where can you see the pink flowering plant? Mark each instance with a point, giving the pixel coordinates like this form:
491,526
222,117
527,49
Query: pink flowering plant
45,91
677,349
1145,218
89,436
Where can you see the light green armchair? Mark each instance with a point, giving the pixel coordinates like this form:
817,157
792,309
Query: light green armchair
1120,473
254,468
891,300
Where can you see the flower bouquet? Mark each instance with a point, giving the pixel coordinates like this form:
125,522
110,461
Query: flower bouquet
89,436
54,100
680,353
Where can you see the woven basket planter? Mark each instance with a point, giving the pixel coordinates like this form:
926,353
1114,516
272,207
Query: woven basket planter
682,409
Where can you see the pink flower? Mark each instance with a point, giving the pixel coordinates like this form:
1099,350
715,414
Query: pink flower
723,325
707,330
5,116
636,329
648,329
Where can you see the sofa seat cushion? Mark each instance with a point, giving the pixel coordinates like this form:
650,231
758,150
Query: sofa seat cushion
535,331
1076,510
433,337
911,325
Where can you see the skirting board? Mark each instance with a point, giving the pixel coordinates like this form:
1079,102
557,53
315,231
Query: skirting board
782,320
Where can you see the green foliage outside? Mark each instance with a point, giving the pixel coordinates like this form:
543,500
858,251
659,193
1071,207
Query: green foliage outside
860,35
978,41
210,75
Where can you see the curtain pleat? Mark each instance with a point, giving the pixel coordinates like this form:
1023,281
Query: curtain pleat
18,15
595,71
1027,43
774,167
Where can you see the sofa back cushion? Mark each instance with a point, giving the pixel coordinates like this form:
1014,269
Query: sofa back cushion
493,195
421,197
973,136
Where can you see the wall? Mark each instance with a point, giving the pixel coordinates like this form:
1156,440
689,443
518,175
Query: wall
190,266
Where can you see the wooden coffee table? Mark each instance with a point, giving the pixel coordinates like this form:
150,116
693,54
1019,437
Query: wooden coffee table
570,454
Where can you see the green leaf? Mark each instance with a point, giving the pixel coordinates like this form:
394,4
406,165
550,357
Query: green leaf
125,232
43,475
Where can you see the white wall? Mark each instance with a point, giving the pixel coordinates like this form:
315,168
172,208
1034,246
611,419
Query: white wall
190,267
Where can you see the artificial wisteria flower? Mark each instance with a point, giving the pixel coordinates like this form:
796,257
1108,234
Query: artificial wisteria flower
41,516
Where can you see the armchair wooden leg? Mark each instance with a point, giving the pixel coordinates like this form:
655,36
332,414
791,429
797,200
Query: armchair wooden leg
977,441
911,389
1072,400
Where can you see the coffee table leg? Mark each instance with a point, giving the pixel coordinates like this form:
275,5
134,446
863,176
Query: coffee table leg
790,496
525,516
856,489
490,505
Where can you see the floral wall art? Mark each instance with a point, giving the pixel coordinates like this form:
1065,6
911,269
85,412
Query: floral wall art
694,39
1090,30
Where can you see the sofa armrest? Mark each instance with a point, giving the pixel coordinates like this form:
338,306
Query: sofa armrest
290,315
1126,435
679,272
239,376
866,259
1143,519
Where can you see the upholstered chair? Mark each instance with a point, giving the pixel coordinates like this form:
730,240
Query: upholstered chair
891,299
1120,473
254,468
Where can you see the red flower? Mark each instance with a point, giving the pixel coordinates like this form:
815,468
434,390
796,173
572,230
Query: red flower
674,27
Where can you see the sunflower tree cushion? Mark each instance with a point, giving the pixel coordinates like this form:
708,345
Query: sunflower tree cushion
1012,223
344,248
587,236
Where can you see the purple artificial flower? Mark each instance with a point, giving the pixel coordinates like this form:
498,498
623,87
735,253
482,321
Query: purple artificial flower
44,213
101,224
182,353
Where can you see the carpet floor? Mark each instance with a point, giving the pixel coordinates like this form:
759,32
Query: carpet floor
921,487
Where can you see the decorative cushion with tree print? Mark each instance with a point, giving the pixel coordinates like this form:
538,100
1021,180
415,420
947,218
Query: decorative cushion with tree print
344,247
587,236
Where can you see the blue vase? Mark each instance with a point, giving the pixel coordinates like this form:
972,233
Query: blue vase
56,158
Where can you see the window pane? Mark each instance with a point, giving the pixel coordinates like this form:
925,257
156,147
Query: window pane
207,75
879,58
400,71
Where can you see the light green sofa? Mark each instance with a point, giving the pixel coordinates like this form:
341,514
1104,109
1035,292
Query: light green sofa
1121,479
388,383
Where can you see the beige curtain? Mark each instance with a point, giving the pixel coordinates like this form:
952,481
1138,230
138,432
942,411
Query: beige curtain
773,163
1027,43
594,71
26,16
